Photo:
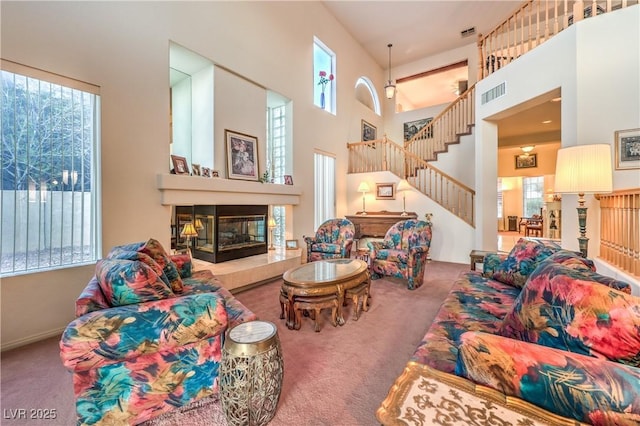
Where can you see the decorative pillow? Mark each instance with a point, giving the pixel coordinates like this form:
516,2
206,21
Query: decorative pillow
566,309
154,249
573,260
142,257
126,282
522,260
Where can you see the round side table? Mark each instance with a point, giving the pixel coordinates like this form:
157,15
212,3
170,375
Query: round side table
251,373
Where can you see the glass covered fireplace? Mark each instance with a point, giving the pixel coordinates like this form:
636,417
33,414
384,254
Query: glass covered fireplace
227,232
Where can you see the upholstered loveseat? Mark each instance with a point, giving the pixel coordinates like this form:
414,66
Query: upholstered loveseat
147,336
538,333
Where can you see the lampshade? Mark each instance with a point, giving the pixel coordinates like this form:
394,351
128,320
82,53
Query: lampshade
271,223
363,187
403,185
584,169
188,230
199,224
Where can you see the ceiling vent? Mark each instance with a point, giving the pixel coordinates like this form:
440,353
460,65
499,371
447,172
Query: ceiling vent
468,32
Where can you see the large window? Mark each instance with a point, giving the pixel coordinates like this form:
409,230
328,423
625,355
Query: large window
325,188
500,199
49,193
532,195
324,72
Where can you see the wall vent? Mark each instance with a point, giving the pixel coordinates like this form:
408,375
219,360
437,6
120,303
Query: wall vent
468,32
495,93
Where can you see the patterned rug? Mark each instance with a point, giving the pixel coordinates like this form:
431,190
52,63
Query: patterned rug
203,412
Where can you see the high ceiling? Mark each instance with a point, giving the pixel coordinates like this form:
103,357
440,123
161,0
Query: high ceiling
419,29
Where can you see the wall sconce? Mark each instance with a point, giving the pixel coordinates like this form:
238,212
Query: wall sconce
584,169
390,88
526,149
364,188
403,186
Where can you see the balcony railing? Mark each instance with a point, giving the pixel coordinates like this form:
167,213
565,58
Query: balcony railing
535,22
620,230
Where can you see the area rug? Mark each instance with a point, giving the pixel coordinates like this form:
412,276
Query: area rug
203,412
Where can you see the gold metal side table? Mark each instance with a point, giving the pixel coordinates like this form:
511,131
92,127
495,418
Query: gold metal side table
251,373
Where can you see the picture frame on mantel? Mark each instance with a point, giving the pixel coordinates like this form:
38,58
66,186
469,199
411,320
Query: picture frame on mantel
242,155
180,166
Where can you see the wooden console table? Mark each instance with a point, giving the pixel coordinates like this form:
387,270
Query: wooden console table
376,224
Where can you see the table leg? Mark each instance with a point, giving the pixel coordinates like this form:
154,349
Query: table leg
340,291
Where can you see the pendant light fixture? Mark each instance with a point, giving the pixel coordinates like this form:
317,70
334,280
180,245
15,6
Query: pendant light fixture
390,88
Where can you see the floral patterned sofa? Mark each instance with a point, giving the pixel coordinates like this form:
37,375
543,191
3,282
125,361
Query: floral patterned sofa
542,330
147,336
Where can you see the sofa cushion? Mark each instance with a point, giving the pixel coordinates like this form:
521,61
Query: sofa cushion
154,249
573,260
567,309
522,260
126,282
119,253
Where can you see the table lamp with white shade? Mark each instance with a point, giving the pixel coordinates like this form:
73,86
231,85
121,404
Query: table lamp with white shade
272,225
364,188
403,186
188,231
584,169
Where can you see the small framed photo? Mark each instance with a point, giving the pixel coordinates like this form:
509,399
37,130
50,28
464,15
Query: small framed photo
206,172
385,191
196,169
180,166
242,155
291,244
526,161
215,173
288,180
369,131
627,149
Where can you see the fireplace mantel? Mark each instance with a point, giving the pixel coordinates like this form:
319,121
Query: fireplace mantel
191,190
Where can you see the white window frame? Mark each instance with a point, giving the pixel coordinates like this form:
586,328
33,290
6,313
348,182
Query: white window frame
531,187
320,64
324,187
54,222
368,84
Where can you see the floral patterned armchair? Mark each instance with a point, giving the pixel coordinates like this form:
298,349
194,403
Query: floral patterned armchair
403,252
147,336
333,240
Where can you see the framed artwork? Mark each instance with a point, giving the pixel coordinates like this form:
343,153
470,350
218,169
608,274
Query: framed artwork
180,166
242,155
206,172
385,191
215,173
288,180
526,161
291,244
196,169
627,149
411,128
369,131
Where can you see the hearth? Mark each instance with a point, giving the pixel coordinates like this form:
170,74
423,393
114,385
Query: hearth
227,232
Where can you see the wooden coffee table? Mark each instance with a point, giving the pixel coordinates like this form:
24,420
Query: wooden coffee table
319,281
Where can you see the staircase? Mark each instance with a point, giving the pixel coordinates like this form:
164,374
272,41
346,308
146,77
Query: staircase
533,23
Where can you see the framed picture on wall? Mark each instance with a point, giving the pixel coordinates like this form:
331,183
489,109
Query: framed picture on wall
369,131
526,161
385,191
627,149
242,155
411,128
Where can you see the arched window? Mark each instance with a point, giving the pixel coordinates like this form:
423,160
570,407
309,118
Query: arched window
367,95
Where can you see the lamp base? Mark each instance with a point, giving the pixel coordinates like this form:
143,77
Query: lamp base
404,214
272,247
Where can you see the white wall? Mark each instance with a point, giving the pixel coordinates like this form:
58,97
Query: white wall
123,47
596,64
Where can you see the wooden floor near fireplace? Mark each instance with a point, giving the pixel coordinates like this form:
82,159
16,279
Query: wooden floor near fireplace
239,274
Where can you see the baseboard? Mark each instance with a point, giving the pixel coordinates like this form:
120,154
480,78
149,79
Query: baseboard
31,339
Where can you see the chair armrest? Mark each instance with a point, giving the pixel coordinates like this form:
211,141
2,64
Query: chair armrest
418,249
125,332
183,263
570,384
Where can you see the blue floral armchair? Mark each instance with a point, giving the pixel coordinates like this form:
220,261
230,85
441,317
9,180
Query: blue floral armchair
333,240
403,252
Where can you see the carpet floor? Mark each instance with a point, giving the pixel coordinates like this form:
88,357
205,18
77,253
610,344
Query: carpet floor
338,376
